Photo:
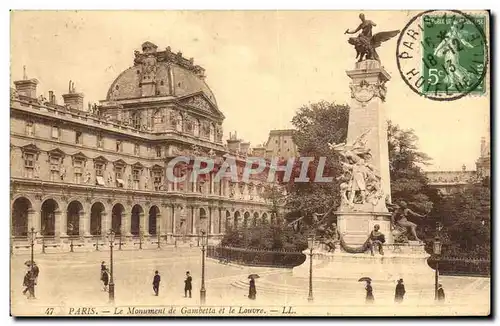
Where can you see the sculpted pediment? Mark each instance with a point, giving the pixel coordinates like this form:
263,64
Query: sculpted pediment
201,102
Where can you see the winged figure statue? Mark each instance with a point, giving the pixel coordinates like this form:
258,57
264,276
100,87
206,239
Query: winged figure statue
366,43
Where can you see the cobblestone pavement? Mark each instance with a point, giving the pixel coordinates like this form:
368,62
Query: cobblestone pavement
72,280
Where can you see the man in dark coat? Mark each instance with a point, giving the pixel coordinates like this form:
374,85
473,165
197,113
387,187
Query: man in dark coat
28,283
104,276
36,271
156,283
188,285
441,295
369,292
252,291
400,291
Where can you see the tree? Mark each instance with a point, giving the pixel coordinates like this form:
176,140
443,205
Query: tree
408,180
466,219
316,125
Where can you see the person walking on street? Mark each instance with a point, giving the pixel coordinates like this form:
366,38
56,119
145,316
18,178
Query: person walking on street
188,285
369,292
400,291
36,271
441,295
28,283
104,276
156,283
252,292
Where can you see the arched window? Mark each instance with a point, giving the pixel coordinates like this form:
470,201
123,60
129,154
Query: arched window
136,120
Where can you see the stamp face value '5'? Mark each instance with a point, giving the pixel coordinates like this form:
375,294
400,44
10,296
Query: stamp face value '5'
442,55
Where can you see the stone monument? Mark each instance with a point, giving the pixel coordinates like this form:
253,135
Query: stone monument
363,244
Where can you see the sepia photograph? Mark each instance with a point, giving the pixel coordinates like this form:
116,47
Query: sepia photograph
244,163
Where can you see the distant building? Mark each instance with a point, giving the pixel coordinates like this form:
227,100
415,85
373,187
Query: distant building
280,144
450,182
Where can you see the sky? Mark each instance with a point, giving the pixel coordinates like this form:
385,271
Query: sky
261,65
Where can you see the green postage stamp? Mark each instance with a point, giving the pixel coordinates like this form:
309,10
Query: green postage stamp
453,53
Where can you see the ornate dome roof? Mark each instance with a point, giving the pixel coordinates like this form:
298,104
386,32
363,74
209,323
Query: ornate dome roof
159,74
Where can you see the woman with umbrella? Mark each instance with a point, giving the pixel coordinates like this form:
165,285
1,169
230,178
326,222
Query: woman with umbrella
369,290
252,291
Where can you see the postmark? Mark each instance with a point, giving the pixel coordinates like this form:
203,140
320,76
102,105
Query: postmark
443,54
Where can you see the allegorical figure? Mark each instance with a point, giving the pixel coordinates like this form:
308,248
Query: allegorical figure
365,44
376,238
404,212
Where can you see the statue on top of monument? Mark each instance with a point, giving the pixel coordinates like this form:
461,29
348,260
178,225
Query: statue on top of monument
366,44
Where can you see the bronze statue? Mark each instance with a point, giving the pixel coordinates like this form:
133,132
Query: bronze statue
399,219
365,44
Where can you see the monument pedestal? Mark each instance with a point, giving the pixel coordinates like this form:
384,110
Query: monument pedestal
408,262
356,226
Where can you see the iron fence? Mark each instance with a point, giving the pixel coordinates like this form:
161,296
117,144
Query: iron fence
256,257
462,266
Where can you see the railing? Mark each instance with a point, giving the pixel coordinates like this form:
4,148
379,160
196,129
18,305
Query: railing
462,266
256,257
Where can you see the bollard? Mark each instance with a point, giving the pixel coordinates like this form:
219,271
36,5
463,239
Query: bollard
97,244
43,244
71,245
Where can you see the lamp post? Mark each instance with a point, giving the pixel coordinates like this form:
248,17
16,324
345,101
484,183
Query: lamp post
436,248
203,291
32,236
310,239
111,237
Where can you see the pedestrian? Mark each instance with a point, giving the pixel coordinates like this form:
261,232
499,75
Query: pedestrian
252,291
441,295
400,291
369,292
188,285
36,271
27,282
104,276
156,283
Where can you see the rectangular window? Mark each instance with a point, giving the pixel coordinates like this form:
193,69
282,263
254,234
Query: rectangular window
135,177
158,151
157,179
77,171
55,132
78,137
29,128
99,167
136,149
99,141
54,163
118,145
118,172
29,164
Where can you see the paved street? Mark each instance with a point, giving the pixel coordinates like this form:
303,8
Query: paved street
72,279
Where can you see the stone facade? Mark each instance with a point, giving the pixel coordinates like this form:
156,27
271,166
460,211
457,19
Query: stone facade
79,172
280,144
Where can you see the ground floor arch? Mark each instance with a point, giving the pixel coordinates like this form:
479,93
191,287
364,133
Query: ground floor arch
73,214
255,219
154,214
21,209
137,214
116,218
48,212
246,219
237,216
96,216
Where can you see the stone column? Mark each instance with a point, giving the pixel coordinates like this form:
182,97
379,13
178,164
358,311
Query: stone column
194,220
144,223
60,225
84,223
126,222
105,223
33,220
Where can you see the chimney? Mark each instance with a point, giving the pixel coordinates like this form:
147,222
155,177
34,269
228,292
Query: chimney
73,99
233,143
244,147
52,98
259,151
464,167
26,87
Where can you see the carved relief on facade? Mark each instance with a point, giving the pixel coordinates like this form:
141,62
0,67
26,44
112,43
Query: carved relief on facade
365,91
218,133
199,102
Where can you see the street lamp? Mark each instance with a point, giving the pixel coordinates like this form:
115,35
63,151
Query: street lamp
436,248
111,238
311,240
32,236
204,242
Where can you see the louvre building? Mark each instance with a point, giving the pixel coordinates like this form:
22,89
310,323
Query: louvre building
78,171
